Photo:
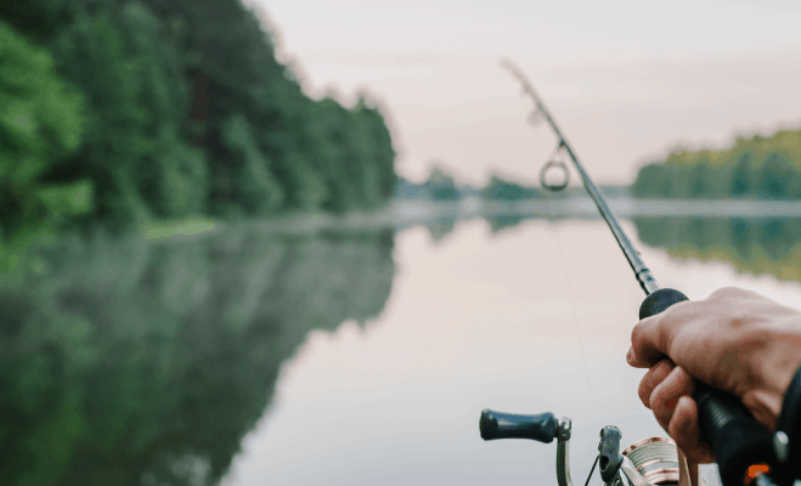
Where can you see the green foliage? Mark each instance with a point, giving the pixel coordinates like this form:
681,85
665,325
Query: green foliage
759,167
742,179
244,181
654,180
352,153
40,124
186,111
775,177
171,173
441,186
504,190
700,183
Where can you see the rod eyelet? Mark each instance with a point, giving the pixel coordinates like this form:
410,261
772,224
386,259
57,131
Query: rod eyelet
556,164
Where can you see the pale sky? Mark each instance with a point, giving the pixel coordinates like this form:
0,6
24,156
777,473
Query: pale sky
627,80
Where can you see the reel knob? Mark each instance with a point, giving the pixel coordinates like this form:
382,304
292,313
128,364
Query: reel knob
497,425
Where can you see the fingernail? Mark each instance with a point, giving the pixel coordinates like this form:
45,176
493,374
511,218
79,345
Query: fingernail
629,356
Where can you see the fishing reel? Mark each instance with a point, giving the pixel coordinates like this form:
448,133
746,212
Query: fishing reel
649,462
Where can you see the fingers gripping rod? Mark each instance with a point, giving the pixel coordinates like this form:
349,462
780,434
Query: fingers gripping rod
642,273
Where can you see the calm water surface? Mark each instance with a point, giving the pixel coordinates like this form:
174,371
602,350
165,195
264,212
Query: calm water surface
533,319
345,358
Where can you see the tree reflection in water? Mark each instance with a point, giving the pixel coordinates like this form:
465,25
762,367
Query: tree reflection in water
757,246
145,363
752,245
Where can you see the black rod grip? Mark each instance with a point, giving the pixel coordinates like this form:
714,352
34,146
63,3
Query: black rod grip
735,437
659,301
497,425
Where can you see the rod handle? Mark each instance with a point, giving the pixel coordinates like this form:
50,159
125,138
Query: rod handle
660,301
736,438
497,425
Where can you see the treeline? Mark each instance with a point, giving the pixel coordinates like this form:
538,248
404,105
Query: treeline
441,186
757,167
120,111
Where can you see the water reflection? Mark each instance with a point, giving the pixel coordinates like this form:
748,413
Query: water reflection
146,363
501,222
440,228
758,246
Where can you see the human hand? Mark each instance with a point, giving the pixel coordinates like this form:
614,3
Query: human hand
736,341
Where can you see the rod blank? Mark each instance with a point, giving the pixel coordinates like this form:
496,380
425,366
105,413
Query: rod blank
644,276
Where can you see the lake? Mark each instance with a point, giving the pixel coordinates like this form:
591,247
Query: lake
347,357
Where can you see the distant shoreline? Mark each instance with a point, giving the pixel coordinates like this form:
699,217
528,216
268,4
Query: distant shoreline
583,206
403,214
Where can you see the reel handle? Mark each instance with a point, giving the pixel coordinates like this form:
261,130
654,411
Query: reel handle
497,425
736,438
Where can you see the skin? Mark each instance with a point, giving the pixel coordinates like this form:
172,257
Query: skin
736,340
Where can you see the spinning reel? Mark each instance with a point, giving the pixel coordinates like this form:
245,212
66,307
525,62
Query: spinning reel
648,462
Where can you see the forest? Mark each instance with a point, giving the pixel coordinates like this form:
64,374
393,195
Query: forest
757,167
117,112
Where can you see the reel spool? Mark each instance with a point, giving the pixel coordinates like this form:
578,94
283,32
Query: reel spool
657,460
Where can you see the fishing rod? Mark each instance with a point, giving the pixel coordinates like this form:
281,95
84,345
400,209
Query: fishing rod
745,451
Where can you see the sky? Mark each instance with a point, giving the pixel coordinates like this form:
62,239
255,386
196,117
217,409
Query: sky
627,80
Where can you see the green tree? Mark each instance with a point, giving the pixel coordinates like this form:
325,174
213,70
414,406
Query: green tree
775,176
382,154
330,131
93,55
655,180
705,181
170,172
41,123
441,186
244,180
764,167
504,190
187,111
742,176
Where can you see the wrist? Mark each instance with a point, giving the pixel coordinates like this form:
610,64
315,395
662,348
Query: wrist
777,363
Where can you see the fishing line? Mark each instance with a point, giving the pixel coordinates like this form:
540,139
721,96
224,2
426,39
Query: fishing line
555,161
589,476
552,220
